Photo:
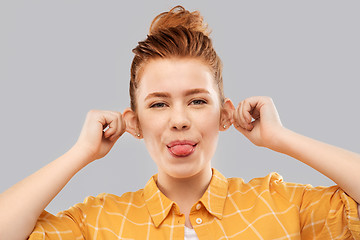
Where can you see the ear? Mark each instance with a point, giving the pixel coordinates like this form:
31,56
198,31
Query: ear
132,123
226,115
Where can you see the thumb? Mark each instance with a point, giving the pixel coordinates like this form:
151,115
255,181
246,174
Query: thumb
244,131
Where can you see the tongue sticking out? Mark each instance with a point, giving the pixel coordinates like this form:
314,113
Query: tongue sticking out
182,150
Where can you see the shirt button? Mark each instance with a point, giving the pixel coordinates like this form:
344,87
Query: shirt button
198,220
198,206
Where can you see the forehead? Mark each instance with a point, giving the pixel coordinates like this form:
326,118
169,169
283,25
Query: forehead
175,76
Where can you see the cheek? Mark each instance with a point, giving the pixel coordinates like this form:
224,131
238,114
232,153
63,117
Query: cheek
151,126
209,123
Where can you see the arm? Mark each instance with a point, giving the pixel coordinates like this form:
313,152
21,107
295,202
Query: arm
340,165
21,205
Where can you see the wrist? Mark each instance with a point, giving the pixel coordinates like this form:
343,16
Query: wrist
280,139
81,155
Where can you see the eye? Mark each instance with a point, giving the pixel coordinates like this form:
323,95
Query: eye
158,105
198,102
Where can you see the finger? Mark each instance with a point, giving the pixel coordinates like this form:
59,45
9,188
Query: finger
239,122
242,119
123,124
120,129
110,119
244,131
236,117
246,115
256,103
256,114
248,110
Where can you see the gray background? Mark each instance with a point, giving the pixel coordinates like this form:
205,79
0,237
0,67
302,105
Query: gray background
59,59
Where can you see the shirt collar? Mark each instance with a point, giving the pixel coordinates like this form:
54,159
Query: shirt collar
215,195
157,203
213,199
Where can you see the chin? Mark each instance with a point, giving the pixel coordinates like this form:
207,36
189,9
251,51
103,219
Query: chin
184,170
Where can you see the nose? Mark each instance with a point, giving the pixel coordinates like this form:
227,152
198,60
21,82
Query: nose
179,119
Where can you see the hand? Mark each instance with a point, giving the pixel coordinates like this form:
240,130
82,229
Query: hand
258,120
93,139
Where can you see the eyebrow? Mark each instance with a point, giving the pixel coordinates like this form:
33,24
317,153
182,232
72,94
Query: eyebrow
167,95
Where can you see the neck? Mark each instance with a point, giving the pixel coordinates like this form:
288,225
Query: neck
185,191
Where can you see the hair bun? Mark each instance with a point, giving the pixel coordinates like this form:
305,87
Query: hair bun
178,16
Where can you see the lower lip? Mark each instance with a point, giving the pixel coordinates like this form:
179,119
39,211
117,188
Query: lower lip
182,150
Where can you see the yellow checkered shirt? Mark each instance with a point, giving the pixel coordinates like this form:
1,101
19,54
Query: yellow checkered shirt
264,208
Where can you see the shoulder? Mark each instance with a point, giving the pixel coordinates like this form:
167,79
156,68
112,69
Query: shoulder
271,185
268,181
112,202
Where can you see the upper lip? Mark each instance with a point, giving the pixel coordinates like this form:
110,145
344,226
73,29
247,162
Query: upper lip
181,142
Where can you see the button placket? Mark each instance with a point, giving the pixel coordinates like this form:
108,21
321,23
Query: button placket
198,214
198,206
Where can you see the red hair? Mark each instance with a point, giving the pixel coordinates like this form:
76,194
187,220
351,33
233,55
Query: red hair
177,33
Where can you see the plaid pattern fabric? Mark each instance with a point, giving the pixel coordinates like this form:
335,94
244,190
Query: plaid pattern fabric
264,208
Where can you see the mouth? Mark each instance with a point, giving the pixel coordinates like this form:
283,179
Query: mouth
181,148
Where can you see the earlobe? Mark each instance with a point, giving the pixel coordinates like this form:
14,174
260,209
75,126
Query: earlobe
226,118
132,123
